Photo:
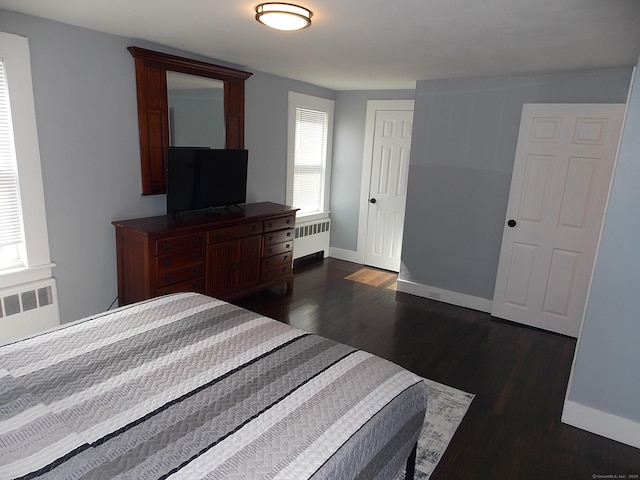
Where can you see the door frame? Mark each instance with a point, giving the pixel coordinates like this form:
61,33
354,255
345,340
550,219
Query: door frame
373,106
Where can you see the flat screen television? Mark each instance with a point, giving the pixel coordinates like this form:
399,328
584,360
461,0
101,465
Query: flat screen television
203,178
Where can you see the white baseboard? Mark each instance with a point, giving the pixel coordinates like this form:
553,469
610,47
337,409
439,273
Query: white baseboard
446,296
346,255
601,423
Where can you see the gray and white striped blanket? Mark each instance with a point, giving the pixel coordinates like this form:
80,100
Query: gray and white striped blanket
186,386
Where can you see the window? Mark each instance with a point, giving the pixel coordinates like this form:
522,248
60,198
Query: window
24,246
309,153
12,252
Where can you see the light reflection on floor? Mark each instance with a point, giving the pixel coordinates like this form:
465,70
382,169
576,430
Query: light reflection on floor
376,278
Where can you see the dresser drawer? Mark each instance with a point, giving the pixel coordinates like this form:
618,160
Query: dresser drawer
277,249
275,273
193,285
277,260
179,275
177,244
177,260
231,233
279,223
278,236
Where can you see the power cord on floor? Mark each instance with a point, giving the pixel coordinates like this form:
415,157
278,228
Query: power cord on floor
112,303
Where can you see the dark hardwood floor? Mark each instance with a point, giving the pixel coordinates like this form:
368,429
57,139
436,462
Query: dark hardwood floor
519,374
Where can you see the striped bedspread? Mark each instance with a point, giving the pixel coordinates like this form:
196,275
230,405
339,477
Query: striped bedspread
187,386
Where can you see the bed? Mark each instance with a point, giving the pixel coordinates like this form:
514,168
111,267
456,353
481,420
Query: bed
186,386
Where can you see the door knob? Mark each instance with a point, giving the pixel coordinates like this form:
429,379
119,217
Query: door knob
512,223
373,200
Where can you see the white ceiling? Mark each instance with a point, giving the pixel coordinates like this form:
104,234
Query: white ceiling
376,44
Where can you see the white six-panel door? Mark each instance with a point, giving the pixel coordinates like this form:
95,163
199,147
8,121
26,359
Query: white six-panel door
559,188
388,188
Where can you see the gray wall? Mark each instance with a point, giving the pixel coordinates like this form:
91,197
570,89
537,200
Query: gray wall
86,116
266,139
463,145
348,150
266,102
86,113
605,375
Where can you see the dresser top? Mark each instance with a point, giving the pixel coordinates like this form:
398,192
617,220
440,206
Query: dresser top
202,219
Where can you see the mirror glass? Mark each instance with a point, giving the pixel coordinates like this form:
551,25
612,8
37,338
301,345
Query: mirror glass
196,111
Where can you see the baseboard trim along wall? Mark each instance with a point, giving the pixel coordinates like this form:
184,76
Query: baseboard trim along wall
446,296
419,290
601,423
346,255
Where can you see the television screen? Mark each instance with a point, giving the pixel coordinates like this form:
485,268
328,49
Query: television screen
199,178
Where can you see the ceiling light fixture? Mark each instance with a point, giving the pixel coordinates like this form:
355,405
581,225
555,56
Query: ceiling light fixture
283,16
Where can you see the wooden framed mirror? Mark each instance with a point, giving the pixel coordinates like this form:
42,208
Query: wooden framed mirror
153,108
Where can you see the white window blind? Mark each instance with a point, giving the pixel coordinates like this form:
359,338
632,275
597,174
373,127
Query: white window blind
12,245
309,164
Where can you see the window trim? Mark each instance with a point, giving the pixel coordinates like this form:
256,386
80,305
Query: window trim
14,50
296,100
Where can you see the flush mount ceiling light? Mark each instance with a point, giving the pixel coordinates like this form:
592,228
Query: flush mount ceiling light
283,16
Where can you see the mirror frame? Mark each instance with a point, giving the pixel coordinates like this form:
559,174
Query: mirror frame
153,110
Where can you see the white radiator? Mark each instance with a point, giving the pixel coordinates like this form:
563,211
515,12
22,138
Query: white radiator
27,309
311,237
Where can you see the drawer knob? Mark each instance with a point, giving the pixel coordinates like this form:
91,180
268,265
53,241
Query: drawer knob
166,245
167,278
196,240
287,246
270,250
166,262
270,225
288,221
288,234
270,237
218,236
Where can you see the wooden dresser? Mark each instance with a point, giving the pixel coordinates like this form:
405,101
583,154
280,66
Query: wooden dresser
228,255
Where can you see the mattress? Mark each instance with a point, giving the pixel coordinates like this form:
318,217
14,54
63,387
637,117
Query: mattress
188,386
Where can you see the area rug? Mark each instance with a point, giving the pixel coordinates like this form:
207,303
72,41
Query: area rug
446,408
